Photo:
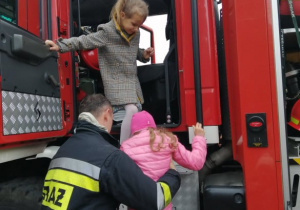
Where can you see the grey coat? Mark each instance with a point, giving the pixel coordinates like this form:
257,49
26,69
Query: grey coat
117,61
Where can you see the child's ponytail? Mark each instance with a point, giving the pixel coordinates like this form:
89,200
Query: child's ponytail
162,132
117,9
129,7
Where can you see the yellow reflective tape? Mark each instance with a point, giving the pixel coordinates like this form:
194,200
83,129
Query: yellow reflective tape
297,160
57,195
77,166
72,178
294,120
167,193
257,144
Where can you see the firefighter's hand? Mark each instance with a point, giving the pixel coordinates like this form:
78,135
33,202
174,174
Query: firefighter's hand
148,53
198,130
52,45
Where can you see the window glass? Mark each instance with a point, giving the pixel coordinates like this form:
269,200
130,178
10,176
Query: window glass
34,15
157,24
8,10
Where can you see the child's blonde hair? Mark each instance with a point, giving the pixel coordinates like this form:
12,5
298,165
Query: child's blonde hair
129,7
162,132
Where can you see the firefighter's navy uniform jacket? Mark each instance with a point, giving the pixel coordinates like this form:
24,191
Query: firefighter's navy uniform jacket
90,172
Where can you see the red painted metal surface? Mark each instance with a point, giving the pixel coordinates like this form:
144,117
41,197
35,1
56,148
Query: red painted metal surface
22,14
285,10
208,64
250,63
33,17
185,63
28,16
65,60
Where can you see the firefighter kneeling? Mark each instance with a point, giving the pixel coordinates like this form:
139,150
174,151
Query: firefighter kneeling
90,172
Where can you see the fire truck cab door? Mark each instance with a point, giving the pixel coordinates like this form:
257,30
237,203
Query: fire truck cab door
30,89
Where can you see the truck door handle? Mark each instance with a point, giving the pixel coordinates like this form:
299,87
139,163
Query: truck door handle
51,80
30,49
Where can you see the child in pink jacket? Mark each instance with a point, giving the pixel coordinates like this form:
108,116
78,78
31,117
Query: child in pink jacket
153,149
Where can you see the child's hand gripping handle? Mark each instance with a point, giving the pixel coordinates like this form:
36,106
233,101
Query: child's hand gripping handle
198,130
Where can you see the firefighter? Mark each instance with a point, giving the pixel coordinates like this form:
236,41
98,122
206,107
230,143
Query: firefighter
90,172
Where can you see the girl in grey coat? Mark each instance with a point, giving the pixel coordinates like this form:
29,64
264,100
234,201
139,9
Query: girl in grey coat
118,49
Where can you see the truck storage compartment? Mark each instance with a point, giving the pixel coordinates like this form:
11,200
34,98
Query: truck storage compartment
224,191
292,91
291,69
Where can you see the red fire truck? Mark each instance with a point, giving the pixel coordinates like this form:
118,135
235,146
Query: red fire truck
232,65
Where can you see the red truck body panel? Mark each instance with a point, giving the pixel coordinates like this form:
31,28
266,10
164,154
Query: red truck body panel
208,64
252,89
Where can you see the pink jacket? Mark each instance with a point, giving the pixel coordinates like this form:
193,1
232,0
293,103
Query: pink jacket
155,164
